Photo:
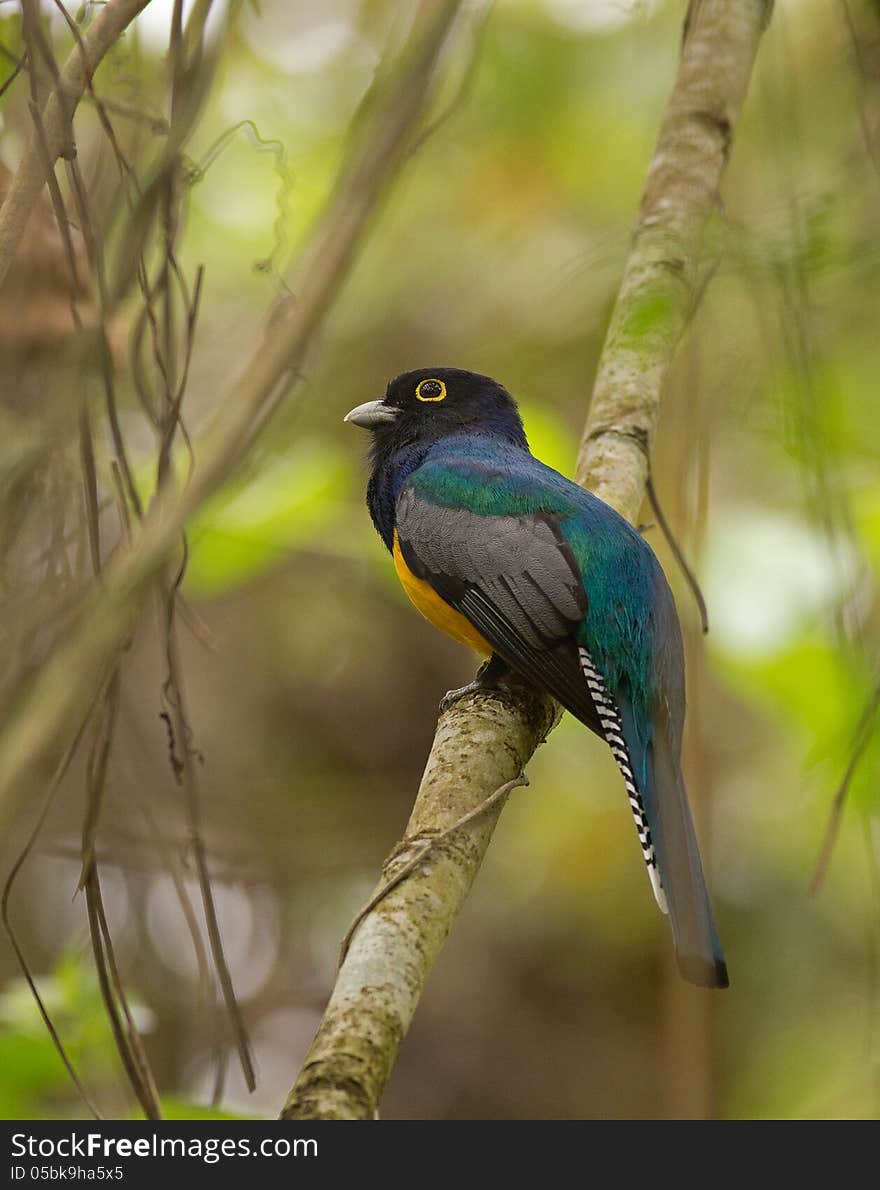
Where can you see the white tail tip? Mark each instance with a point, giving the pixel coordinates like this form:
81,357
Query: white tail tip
659,894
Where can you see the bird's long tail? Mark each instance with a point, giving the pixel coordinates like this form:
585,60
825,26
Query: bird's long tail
651,772
697,946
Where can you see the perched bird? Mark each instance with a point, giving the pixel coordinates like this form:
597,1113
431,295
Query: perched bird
540,577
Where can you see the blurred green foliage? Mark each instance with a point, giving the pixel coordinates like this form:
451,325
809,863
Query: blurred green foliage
290,501
33,1075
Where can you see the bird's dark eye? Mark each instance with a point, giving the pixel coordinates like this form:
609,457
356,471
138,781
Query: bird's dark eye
430,390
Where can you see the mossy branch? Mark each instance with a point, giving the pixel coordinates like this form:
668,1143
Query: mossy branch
483,742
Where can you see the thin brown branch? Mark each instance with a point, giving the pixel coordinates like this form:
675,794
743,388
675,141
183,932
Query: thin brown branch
49,709
5,917
125,1033
678,553
865,729
18,66
187,775
30,177
145,1085
53,703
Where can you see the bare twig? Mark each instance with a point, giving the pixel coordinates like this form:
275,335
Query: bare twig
18,66
864,731
106,619
868,136
30,177
50,706
417,849
125,1032
22,859
465,83
187,774
684,565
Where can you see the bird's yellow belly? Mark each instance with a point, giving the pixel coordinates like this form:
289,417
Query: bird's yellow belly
436,610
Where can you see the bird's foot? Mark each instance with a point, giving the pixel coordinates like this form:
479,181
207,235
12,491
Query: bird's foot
488,676
454,696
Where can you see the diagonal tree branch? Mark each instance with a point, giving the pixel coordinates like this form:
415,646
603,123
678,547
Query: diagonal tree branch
49,710
483,742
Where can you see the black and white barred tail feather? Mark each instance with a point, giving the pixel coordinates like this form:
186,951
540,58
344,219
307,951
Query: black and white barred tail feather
612,728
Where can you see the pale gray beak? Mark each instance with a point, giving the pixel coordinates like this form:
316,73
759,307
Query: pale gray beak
371,414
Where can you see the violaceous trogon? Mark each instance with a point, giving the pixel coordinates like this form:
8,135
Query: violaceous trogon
540,577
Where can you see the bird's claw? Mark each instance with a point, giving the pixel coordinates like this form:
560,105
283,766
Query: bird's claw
488,676
453,696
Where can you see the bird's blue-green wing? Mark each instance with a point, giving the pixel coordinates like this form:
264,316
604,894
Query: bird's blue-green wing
513,577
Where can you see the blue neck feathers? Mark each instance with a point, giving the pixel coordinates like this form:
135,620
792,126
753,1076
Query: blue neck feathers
401,448
390,472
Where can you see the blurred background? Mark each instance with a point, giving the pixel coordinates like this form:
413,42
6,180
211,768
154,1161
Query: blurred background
313,687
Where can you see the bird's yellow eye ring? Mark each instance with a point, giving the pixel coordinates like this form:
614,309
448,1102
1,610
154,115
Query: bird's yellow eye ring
430,390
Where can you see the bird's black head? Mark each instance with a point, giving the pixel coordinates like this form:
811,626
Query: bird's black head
418,409
423,406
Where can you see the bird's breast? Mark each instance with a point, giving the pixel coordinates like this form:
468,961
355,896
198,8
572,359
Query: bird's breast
436,610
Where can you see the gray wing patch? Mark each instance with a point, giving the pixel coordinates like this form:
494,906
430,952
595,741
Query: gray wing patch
520,564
